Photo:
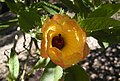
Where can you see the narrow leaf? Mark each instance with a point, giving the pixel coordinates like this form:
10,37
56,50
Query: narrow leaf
50,10
76,73
106,10
52,73
8,23
51,5
99,23
83,9
14,65
87,2
70,5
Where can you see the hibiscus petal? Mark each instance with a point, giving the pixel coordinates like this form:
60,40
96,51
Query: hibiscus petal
86,51
75,48
44,48
56,56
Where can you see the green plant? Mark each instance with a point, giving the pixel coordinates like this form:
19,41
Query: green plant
92,15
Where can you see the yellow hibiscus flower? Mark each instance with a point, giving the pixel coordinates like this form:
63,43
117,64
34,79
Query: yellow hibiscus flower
63,41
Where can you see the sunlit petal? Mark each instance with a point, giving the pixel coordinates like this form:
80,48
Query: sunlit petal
64,41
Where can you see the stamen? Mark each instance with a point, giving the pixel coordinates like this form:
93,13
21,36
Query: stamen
59,35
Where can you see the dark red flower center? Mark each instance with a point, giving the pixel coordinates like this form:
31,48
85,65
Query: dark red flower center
58,41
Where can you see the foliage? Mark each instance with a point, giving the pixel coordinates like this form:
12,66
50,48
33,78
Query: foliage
74,74
52,72
13,66
94,16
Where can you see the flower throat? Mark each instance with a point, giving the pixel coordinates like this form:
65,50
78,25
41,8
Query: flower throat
58,41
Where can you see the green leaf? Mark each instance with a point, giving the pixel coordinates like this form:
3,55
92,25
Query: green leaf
97,2
36,5
105,44
84,10
52,72
9,23
87,2
51,5
70,5
76,73
28,20
98,23
14,7
14,65
50,10
107,35
42,62
106,10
